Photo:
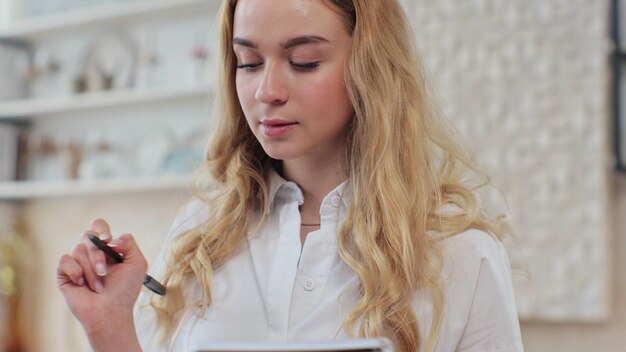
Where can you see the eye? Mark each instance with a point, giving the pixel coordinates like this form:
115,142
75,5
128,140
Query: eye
249,67
305,66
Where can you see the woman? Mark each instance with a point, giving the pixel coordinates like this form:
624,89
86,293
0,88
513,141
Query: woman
324,130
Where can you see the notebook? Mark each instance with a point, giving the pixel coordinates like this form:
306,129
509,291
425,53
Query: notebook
353,345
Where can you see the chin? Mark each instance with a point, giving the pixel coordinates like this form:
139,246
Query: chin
280,152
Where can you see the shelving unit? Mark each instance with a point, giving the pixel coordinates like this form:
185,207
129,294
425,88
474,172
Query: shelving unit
29,32
25,190
131,149
96,15
27,109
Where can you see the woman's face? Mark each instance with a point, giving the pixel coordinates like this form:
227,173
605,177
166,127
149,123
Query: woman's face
291,58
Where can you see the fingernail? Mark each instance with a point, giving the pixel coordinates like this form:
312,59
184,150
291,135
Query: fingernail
98,226
81,281
116,242
105,236
101,269
98,286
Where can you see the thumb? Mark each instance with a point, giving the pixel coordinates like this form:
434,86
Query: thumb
126,245
101,228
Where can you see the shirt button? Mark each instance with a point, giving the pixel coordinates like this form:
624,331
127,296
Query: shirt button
334,201
309,285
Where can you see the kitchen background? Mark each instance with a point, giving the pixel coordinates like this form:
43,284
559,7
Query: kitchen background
105,107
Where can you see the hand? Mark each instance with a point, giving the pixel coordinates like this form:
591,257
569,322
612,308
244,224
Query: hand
102,293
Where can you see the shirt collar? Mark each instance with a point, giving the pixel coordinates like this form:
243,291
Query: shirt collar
279,186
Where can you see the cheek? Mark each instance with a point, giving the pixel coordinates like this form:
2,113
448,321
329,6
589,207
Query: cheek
246,99
331,99
245,92
240,86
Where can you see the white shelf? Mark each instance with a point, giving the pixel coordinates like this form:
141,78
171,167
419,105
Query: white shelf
24,190
29,108
34,27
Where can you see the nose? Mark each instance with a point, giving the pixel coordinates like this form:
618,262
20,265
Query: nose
272,89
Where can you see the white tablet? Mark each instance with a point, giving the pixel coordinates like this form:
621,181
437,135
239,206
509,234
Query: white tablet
353,345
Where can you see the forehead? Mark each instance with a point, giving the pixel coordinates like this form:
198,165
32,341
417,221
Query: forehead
281,19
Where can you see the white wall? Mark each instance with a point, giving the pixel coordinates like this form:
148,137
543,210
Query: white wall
609,335
525,82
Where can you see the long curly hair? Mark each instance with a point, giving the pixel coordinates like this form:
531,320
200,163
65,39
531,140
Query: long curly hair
404,165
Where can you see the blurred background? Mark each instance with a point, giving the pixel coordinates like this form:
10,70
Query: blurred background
105,106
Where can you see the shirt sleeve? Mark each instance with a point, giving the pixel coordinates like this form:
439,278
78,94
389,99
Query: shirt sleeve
492,323
145,318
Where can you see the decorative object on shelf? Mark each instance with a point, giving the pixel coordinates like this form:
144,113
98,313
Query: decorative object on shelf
200,55
151,151
182,161
187,154
40,64
110,62
71,155
101,157
79,85
41,157
25,66
97,156
47,157
147,60
45,62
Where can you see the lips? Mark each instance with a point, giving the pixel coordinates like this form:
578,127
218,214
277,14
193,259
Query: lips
277,127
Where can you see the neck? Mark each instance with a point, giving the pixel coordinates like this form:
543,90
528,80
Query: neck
316,178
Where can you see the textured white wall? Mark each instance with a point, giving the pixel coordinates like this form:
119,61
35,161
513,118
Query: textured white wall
607,336
525,83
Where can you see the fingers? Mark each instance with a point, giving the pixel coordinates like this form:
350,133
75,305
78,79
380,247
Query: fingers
126,245
81,255
86,265
97,258
68,271
101,229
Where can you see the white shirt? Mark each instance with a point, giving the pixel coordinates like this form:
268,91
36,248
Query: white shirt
273,290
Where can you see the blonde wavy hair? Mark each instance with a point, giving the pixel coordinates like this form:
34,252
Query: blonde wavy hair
404,166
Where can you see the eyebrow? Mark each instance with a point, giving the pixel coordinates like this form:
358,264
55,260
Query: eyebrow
305,39
244,42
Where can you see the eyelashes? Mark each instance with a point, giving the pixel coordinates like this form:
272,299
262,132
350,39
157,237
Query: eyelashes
298,66
305,67
248,67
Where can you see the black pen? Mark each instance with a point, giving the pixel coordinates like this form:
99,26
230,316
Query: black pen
152,284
